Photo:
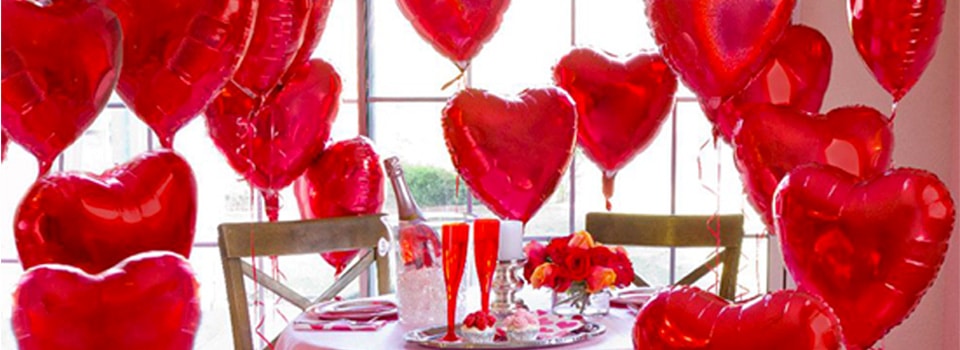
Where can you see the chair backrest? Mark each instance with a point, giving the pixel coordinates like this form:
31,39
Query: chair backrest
295,238
722,231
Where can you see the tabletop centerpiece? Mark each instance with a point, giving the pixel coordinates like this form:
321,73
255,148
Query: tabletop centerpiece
580,272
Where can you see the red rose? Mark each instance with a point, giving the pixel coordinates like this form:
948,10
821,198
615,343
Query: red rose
557,249
624,269
577,264
561,283
536,255
601,256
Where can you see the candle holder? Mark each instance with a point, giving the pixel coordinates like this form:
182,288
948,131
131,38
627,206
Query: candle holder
507,281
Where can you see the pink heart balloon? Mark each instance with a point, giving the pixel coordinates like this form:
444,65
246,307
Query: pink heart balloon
689,318
717,46
60,63
177,55
345,180
773,140
797,75
621,104
511,151
271,144
94,221
456,29
869,248
148,301
896,39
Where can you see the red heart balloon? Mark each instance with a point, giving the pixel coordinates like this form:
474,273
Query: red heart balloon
60,63
511,151
316,23
148,301
93,222
717,46
272,144
621,104
177,55
346,180
797,75
3,145
689,318
277,36
456,29
869,248
773,140
896,39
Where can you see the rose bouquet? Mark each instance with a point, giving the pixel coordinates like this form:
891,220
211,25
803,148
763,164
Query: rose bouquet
577,266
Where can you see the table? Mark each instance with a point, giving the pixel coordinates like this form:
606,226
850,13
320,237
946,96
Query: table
619,324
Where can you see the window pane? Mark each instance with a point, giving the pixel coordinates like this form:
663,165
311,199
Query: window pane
9,277
403,63
615,26
338,45
18,171
532,38
412,132
115,137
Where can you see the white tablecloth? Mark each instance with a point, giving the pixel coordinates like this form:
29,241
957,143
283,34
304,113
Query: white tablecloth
619,324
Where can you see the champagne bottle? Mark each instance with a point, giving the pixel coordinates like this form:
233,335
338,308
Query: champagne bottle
419,244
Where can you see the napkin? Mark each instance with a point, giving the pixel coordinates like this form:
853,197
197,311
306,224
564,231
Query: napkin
338,325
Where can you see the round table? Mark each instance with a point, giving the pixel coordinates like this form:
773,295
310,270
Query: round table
619,323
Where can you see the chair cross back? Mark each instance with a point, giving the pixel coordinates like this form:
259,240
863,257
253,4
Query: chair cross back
243,240
682,231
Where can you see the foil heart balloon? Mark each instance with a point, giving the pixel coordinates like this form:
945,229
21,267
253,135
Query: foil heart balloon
346,180
272,143
276,38
456,29
316,23
773,140
177,55
3,145
621,104
896,39
93,222
869,248
689,318
717,46
797,75
54,85
148,301
511,151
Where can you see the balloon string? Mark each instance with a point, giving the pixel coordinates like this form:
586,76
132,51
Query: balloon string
713,223
893,111
457,78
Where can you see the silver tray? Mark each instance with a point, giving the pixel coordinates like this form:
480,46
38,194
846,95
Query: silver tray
431,337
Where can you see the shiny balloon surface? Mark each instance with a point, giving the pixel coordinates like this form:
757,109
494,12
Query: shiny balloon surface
689,318
511,151
456,29
896,39
773,140
177,55
54,85
869,248
94,221
346,180
149,301
797,75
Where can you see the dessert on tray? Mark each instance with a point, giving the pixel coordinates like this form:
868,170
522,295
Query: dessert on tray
522,325
478,327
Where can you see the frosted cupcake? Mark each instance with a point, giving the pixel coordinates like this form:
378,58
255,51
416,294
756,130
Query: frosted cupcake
521,326
478,328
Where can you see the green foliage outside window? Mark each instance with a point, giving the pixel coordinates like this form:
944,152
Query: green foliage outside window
433,186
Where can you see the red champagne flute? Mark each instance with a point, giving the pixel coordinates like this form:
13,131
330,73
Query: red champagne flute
486,246
455,240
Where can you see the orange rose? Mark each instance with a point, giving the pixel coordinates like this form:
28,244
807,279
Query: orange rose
544,275
581,239
600,278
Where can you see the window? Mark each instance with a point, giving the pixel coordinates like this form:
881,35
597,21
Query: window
399,108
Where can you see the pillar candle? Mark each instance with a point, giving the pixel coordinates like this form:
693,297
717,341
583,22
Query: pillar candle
511,240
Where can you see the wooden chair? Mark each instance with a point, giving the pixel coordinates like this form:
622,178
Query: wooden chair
676,231
293,238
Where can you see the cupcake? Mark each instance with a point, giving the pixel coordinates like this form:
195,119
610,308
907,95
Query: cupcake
521,326
478,327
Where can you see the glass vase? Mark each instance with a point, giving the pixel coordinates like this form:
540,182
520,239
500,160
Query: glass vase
576,301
